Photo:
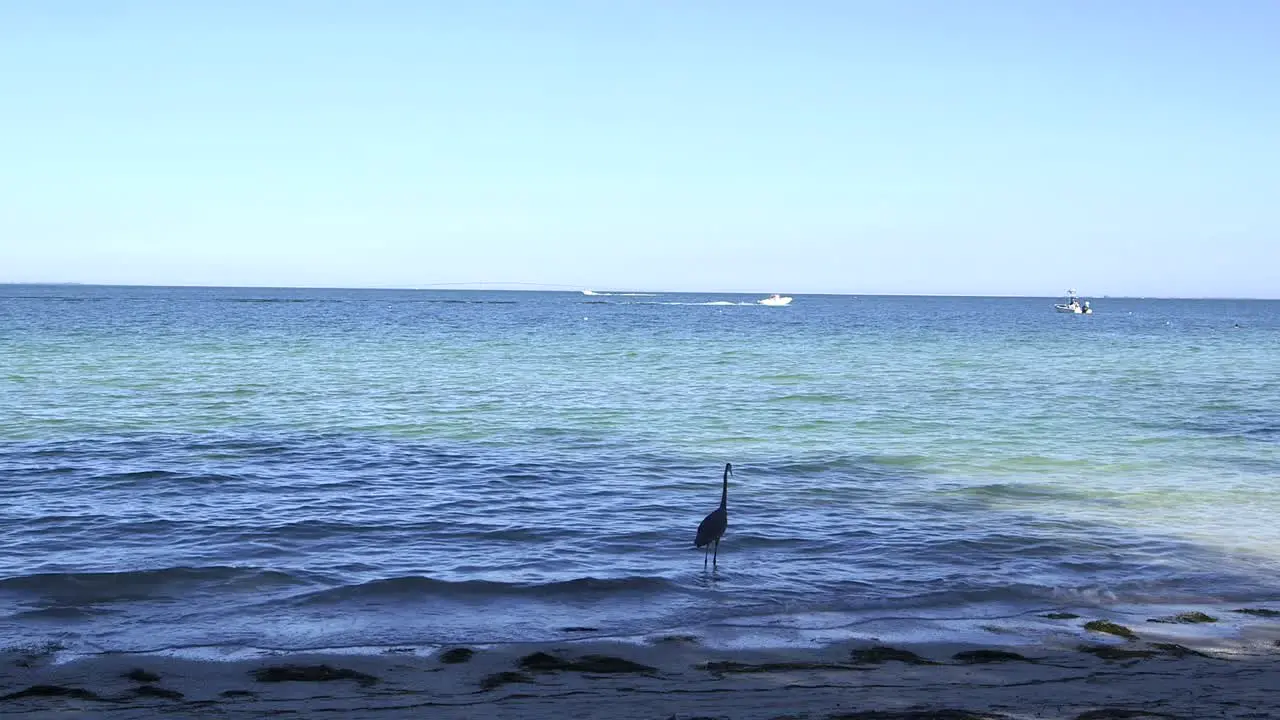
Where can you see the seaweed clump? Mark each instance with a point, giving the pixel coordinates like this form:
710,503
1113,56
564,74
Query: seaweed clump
142,676
1110,628
546,662
46,691
157,692
881,654
1119,714
497,680
311,673
1259,612
971,657
729,666
453,656
1109,652
942,714
1186,618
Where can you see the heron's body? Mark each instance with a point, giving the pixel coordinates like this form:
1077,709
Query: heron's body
712,527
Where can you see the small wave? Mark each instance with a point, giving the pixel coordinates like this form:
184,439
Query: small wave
72,589
59,613
137,475
867,467
157,477
1261,425
1029,598
1009,491
470,302
418,586
56,298
811,398
274,300
787,378
1041,491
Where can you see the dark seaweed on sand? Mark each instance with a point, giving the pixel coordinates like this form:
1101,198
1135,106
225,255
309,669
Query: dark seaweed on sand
882,654
1259,612
1110,652
545,662
1186,618
1119,714
989,656
142,676
49,691
1110,628
497,680
729,666
158,692
1178,651
941,714
453,656
311,673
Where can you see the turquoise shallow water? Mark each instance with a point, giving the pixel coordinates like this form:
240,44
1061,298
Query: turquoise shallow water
326,468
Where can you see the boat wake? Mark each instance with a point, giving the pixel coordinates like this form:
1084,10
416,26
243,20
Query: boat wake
710,303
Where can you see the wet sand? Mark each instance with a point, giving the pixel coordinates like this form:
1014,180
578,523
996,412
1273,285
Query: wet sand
1094,677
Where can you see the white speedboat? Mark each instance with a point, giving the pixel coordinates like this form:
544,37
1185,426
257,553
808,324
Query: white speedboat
775,300
1073,305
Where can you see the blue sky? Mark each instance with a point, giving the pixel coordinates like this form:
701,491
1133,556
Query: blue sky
950,146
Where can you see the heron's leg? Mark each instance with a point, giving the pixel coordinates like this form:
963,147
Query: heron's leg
715,554
704,558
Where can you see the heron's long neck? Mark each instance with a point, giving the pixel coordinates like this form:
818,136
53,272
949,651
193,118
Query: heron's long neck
724,494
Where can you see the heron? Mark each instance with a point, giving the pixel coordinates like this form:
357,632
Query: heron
712,527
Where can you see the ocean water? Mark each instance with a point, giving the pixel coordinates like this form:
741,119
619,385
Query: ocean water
297,469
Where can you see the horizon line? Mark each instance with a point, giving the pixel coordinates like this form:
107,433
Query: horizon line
453,287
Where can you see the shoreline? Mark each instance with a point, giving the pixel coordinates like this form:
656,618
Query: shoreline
976,623
1163,671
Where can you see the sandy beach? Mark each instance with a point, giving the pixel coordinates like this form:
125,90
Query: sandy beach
1092,677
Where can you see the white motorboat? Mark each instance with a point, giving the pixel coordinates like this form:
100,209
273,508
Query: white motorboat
775,300
1074,305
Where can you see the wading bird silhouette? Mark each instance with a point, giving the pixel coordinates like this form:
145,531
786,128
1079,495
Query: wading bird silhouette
712,527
